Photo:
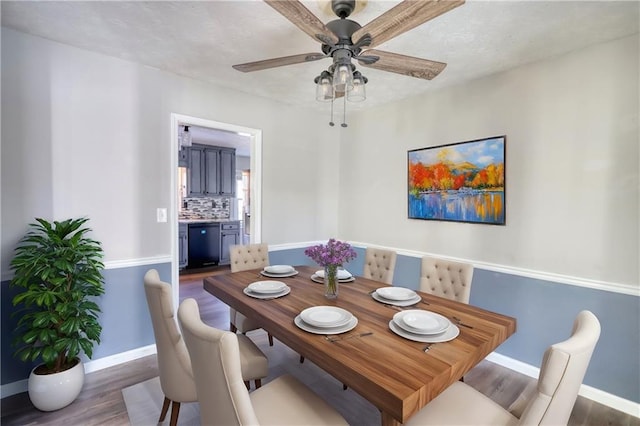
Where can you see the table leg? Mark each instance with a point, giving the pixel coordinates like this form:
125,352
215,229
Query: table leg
387,420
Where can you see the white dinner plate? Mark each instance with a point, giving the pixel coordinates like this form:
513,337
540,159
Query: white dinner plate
270,275
343,274
279,269
419,321
284,292
450,334
266,286
320,280
396,293
396,302
330,330
326,316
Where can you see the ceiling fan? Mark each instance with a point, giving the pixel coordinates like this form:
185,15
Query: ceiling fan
343,40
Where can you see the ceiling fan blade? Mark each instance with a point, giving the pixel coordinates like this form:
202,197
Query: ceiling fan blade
401,64
279,62
302,17
403,17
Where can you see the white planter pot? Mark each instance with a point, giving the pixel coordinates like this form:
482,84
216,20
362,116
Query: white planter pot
51,392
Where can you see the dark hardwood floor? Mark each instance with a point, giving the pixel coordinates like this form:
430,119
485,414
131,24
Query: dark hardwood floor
101,401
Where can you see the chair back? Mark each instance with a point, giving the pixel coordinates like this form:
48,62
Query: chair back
446,278
174,365
249,256
563,368
215,355
379,264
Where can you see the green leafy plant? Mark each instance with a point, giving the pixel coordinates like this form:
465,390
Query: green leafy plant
59,269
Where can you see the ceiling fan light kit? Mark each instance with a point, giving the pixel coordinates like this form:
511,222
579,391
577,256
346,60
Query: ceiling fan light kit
343,40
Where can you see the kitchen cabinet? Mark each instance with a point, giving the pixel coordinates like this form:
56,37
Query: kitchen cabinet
227,184
229,236
211,171
183,245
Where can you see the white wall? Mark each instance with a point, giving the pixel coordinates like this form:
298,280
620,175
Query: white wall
572,165
87,134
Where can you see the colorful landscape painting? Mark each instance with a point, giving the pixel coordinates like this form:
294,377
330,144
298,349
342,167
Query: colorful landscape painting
462,182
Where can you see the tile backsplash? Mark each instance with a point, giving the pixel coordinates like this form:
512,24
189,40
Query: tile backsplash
205,208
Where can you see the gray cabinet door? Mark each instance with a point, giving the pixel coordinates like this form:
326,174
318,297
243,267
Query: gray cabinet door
229,236
212,171
196,172
227,172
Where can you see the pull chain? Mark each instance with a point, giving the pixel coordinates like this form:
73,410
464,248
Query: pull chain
331,122
344,110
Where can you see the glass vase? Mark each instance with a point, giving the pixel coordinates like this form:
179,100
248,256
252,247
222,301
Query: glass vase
331,281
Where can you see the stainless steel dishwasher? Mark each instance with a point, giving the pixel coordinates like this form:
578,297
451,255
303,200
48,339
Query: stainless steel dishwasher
204,244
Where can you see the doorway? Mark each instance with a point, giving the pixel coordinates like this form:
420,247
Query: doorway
251,187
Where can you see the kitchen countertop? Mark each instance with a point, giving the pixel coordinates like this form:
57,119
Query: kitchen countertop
207,220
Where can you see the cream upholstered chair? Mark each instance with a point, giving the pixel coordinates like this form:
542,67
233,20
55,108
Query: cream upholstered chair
243,258
174,364
446,278
563,368
225,401
379,264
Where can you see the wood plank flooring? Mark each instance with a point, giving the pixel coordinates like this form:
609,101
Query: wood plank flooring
101,401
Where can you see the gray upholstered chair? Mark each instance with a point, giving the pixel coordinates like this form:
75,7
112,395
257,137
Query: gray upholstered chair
174,364
225,401
243,258
379,264
563,368
446,278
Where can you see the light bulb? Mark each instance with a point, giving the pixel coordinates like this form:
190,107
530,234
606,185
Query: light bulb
342,79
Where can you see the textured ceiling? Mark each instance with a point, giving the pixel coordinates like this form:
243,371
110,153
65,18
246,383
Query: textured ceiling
202,40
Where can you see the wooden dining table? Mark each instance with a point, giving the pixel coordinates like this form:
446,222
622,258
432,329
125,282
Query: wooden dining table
393,373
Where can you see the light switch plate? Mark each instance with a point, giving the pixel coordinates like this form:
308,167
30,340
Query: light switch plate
162,215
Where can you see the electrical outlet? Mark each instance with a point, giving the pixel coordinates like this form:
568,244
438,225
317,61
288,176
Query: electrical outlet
162,215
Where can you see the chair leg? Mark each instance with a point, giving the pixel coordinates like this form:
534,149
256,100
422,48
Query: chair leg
258,383
301,359
175,410
344,387
247,384
232,327
270,339
165,408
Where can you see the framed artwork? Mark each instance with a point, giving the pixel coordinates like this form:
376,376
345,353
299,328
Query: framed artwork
459,182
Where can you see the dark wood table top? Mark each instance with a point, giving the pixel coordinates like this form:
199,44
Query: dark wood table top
393,373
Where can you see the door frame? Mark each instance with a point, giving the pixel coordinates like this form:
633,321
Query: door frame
255,228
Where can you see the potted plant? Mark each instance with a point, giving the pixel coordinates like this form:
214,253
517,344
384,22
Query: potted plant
58,269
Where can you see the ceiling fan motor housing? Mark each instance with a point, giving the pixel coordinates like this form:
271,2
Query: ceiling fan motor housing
343,29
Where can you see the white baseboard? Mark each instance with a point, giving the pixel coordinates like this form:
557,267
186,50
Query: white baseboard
589,392
89,367
13,388
113,360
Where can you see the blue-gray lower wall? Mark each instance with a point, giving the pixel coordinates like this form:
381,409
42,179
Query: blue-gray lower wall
544,310
125,320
